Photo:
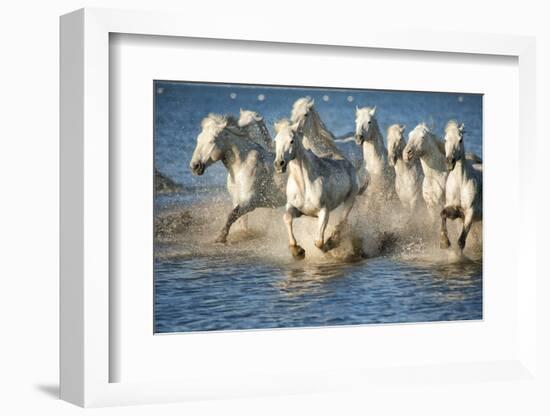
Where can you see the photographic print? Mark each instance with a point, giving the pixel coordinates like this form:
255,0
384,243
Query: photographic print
295,207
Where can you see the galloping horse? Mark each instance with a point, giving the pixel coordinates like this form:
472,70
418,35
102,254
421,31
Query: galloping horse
463,194
368,136
250,177
408,175
316,185
424,145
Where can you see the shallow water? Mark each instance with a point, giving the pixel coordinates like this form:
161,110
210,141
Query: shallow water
253,282
214,293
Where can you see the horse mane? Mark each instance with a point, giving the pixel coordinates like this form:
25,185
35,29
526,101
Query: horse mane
319,139
439,143
248,118
424,127
393,130
280,124
300,108
214,122
217,123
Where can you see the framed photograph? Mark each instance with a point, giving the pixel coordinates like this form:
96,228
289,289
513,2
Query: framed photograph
285,212
222,256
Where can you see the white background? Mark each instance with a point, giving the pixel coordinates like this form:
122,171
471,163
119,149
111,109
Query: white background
29,209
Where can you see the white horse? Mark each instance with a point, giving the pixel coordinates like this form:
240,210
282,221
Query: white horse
368,136
463,195
317,137
423,144
408,175
316,185
250,178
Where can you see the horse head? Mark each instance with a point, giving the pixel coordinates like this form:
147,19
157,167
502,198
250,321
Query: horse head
396,143
364,124
302,113
454,144
288,141
209,148
417,143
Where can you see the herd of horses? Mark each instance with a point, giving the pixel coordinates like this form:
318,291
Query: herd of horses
304,170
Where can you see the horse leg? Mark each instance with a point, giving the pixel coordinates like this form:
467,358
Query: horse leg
444,237
334,239
323,217
233,216
244,222
466,225
451,212
289,215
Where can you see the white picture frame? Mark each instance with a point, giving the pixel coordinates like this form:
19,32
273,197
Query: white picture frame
85,211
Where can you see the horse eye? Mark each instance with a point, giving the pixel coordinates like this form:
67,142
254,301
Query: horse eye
292,141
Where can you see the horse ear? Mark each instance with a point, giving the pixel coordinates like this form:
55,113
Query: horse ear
461,128
372,111
356,109
402,128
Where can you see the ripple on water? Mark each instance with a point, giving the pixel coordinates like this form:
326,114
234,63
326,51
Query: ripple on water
206,293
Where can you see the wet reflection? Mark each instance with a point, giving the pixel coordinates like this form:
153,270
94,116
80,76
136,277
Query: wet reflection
310,278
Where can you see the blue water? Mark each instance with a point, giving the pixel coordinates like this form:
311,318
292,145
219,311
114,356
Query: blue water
200,286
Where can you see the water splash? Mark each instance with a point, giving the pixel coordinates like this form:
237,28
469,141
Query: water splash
376,228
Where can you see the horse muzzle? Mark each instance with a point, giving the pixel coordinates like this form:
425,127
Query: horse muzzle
197,168
359,139
451,162
280,166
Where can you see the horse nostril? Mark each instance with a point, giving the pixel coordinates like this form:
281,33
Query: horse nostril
282,163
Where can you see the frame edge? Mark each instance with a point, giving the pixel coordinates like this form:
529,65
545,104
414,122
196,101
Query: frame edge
71,202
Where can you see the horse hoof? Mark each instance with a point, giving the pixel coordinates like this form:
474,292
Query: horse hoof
330,244
221,240
319,244
444,242
297,252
